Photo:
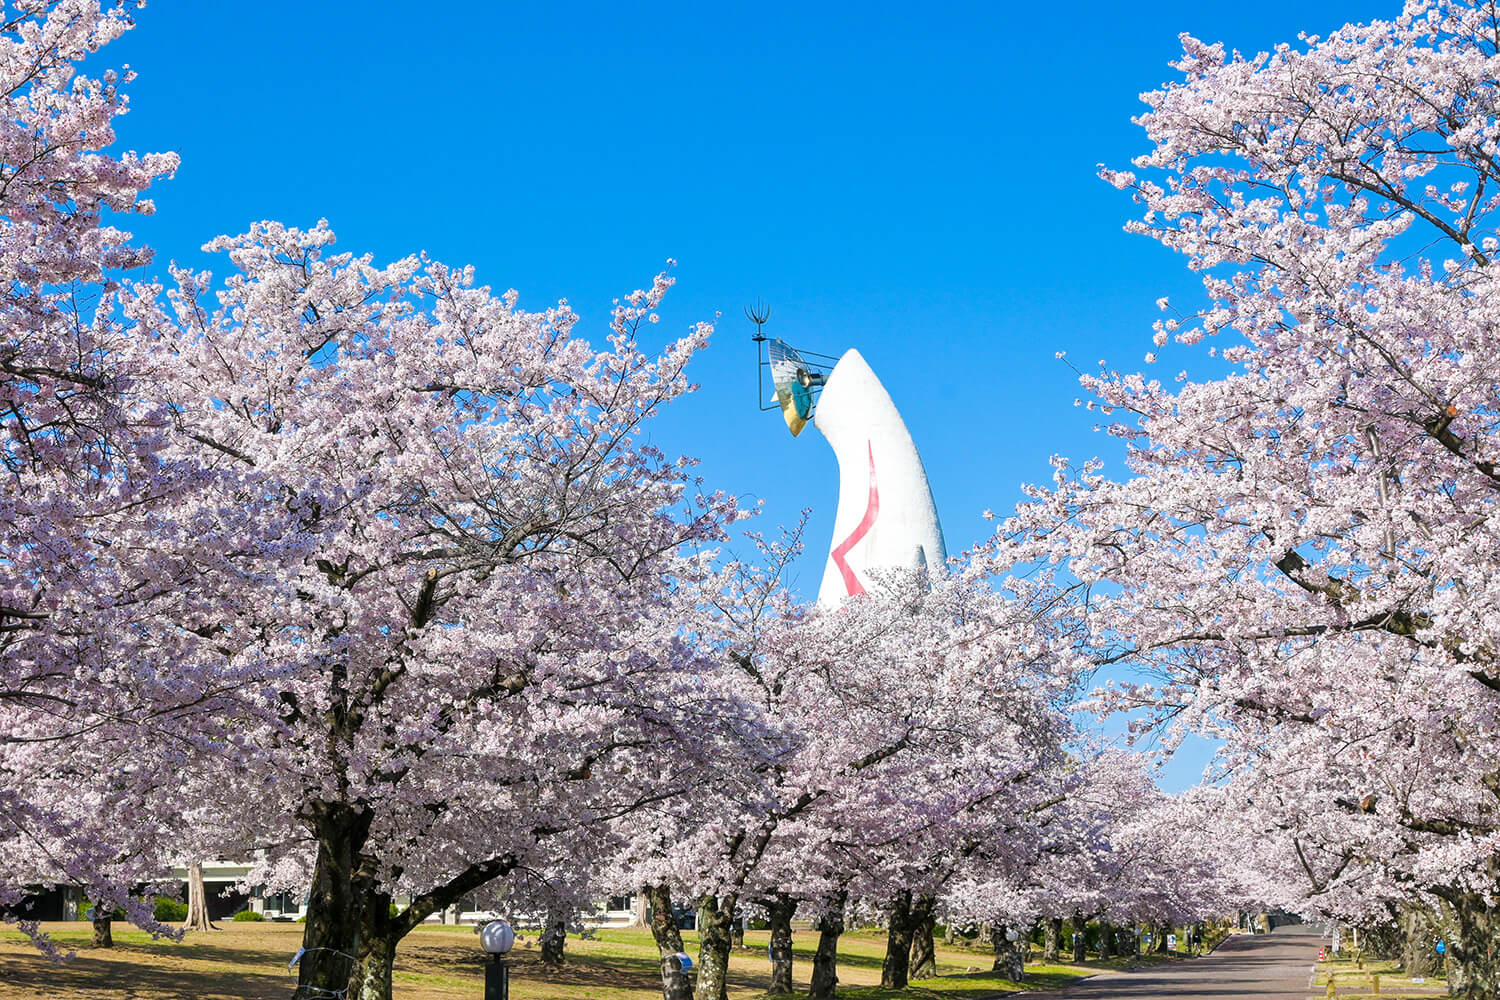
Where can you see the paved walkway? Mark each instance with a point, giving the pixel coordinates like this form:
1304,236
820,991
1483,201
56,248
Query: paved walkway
1276,966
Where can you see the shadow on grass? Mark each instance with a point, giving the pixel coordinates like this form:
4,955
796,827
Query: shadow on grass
202,946
89,976
461,966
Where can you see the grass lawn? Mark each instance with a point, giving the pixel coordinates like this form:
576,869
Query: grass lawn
1350,981
248,961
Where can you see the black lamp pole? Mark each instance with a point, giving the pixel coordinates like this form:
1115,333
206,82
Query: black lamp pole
497,980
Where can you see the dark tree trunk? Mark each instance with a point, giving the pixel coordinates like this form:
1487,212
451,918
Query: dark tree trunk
737,933
380,932
1010,956
825,973
1125,940
1080,937
780,911
1106,939
103,936
1160,944
332,935
923,947
1420,929
895,973
1052,941
715,919
1387,940
197,916
376,958
675,984
1474,958
554,939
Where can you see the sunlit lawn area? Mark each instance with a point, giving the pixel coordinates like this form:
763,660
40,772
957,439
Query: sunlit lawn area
248,961
1351,981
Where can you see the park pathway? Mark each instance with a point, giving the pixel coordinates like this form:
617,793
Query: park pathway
1276,966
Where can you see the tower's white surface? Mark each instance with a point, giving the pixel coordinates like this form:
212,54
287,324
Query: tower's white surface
886,517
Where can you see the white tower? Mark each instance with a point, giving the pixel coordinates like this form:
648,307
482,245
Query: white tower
886,517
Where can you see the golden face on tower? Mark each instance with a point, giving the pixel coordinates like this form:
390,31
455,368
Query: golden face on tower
794,383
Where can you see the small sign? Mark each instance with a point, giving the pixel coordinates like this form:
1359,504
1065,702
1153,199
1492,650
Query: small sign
1419,979
1171,942
1441,947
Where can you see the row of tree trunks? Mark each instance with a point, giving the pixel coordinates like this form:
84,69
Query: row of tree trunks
923,947
1080,937
675,983
825,971
895,973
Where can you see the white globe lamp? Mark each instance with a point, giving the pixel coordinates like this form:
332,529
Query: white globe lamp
497,938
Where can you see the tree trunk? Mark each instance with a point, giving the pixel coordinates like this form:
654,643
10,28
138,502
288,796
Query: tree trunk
923,948
376,959
1080,938
1420,928
1475,955
1010,956
1052,941
715,919
737,933
103,935
554,939
380,932
825,973
675,984
1160,944
780,911
331,937
896,971
1106,939
197,915
1125,940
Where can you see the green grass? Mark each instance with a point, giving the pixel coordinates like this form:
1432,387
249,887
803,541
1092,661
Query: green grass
248,961
1353,980
972,986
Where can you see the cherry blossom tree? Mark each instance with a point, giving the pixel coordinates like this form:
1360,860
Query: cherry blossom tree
1304,541
892,731
445,566
75,447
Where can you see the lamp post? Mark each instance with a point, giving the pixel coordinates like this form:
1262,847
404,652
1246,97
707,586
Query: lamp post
497,939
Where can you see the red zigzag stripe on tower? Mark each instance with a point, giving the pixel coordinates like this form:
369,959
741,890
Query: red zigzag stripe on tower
852,586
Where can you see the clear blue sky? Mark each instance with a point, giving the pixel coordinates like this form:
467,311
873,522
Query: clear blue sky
916,180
